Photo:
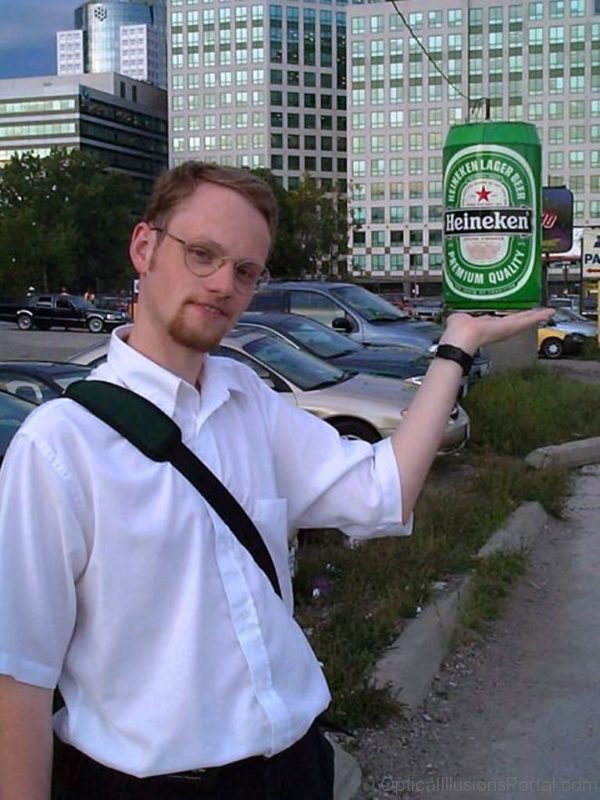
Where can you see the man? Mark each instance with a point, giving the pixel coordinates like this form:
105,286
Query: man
183,673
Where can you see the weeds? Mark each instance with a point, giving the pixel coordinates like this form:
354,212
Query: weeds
364,595
492,579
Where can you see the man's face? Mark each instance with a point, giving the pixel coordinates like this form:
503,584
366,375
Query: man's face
196,312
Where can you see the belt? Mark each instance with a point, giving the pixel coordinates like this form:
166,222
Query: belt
70,763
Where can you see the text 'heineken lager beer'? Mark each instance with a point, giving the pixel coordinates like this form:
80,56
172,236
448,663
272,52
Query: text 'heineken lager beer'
492,216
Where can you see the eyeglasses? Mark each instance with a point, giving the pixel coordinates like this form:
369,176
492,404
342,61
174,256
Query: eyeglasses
204,259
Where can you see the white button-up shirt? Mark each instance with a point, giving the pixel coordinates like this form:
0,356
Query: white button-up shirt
120,582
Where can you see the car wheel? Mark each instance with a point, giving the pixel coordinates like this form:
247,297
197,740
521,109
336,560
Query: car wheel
25,322
552,348
95,325
354,429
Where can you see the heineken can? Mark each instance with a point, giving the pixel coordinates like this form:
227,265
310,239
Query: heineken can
492,216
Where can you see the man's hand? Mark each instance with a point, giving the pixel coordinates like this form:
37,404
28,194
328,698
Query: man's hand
471,331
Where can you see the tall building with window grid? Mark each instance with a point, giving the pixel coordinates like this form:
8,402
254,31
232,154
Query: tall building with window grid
126,36
260,84
365,92
412,75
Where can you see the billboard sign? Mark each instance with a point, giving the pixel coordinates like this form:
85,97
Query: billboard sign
557,219
590,255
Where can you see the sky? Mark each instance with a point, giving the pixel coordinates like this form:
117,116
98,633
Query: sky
27,35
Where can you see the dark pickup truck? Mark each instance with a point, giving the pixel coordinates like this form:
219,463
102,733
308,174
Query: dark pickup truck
45,311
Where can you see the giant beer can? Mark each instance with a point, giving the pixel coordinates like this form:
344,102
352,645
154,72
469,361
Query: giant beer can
492,216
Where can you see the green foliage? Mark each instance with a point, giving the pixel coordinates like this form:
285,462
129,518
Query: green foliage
530,408
492,579
65,220
367,593
312,231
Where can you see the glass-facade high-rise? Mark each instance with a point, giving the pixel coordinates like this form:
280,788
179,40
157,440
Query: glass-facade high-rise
106,48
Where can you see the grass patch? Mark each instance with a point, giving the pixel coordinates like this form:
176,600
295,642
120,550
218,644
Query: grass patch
514,413
364,595
492,578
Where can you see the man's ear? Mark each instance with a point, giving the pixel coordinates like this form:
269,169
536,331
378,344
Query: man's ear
141,247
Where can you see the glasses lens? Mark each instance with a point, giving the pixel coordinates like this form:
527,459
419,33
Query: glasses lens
248,274
200,259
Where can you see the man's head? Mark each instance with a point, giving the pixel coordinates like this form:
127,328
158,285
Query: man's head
179,183
201,248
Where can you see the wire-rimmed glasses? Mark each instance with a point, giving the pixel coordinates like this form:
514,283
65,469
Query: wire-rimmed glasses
205,258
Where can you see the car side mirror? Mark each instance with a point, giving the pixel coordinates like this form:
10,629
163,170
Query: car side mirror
342,324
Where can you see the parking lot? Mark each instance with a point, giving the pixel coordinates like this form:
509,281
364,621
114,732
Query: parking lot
54,345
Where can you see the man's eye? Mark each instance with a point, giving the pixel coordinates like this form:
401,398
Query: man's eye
201,255
248,272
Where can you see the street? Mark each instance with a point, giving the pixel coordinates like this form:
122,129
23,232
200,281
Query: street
46,345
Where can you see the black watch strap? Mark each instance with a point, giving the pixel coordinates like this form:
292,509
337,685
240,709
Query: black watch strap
452,353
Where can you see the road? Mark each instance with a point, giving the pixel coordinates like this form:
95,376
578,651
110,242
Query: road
49,345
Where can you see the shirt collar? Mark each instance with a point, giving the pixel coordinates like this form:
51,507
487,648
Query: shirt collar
183,402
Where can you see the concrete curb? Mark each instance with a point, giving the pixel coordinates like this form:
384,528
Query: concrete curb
569,454
411,663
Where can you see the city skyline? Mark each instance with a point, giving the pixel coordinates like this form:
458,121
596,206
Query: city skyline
28,36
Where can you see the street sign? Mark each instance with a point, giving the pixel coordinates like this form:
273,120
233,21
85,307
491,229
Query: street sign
590,254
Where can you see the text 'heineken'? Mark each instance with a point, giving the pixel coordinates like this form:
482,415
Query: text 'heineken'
492,201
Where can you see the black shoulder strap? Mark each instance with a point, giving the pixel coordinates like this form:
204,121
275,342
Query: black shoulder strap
159,438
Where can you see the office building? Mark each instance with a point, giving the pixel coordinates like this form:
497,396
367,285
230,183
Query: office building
126,36
260,84
417,67
122,120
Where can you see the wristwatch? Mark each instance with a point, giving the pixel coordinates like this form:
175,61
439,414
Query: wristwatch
452,353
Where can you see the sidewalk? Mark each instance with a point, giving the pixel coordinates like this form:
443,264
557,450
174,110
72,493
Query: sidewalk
516,717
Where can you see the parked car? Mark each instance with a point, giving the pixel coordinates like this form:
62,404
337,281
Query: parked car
554,342
45,311
13,411
398,299
353,310
394,362
38,381
570,321
367,407
359,406
589,307
426,308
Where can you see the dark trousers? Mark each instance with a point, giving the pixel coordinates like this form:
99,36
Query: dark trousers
302,772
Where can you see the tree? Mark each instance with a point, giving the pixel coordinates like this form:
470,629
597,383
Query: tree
312,231
65,220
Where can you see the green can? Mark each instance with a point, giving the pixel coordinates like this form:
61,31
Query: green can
492,216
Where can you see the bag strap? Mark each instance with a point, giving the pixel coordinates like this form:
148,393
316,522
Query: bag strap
159,438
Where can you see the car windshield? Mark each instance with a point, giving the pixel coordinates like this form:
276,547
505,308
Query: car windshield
567,315
301,368
316,338
370,306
